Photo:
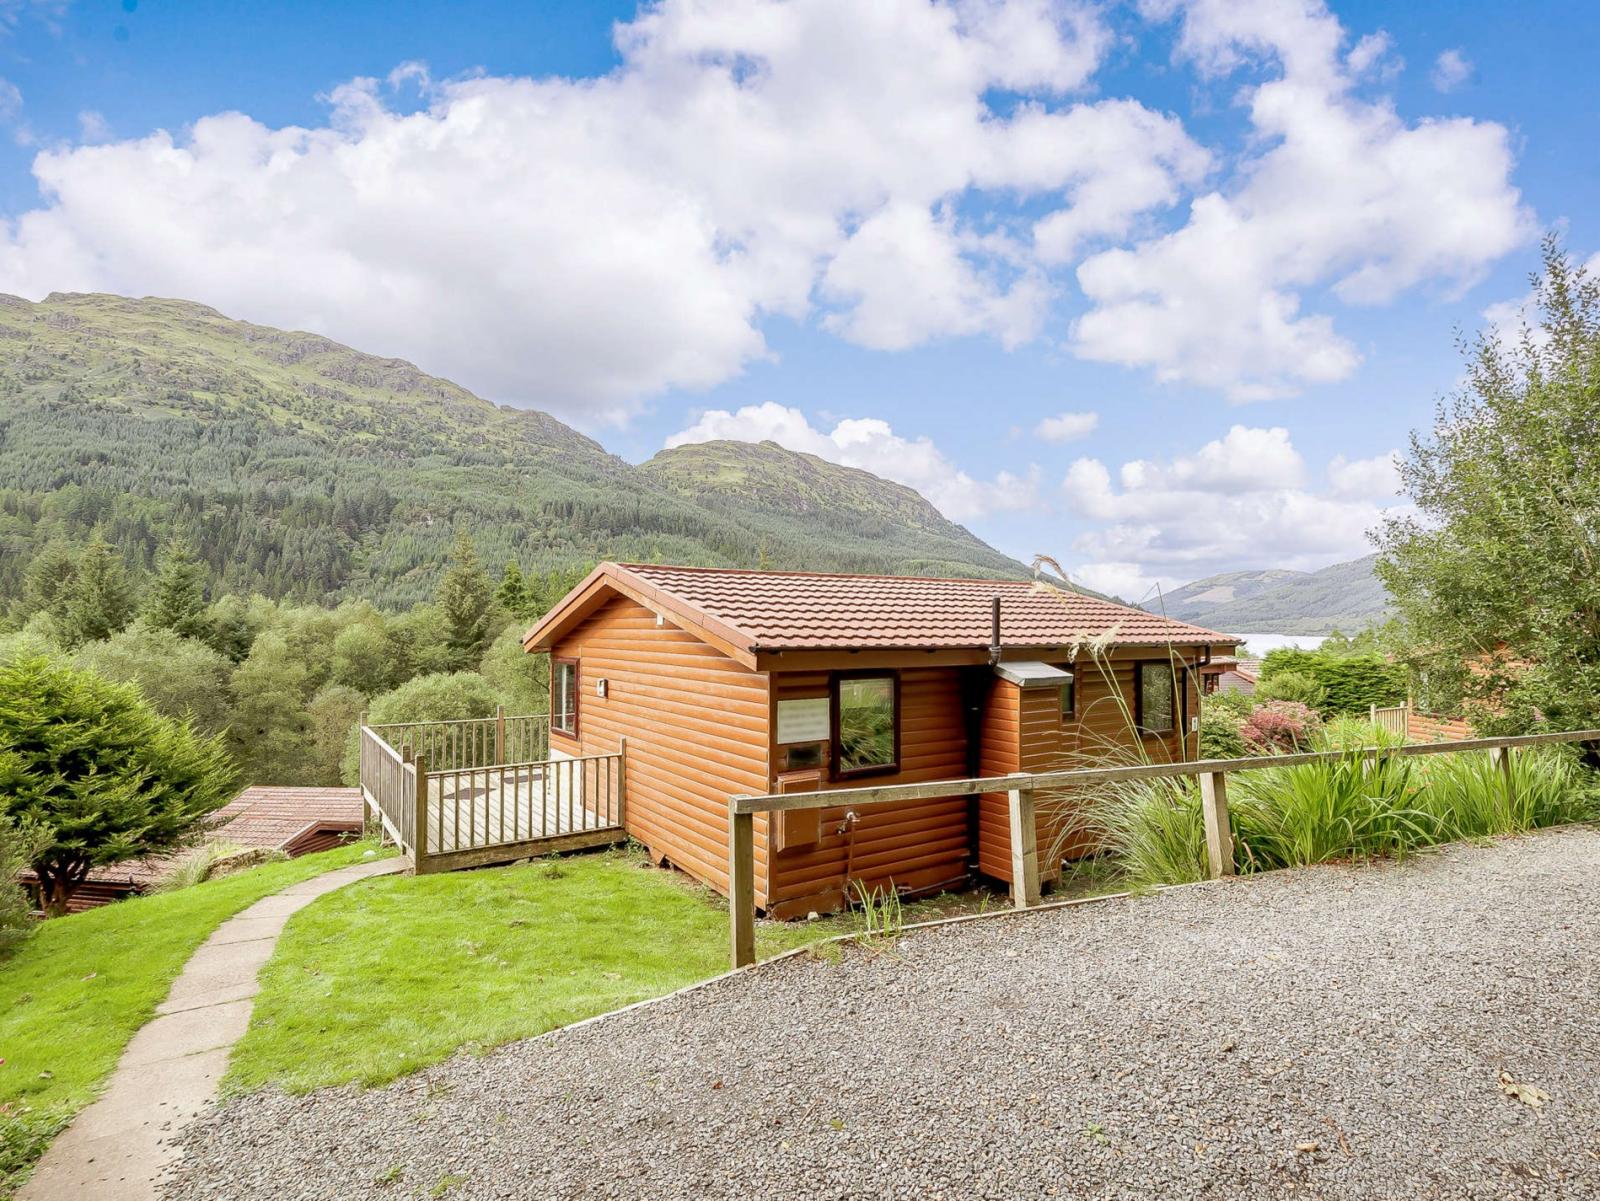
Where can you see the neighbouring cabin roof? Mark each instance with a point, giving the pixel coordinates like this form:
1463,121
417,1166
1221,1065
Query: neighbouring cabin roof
263,816
771,611
260,816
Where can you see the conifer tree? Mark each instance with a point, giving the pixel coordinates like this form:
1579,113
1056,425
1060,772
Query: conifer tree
177,599
99,600
466,597
513,595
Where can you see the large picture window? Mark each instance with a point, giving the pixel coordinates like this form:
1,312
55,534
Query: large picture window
564,696
866,724
1155,698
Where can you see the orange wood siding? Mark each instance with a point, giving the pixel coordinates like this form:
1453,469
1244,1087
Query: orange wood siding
914,846
1035,739
697,730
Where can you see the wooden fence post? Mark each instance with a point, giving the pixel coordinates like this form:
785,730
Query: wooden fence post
419,837
1501,758
622,782
742,886
499,734
1024,850
1219,837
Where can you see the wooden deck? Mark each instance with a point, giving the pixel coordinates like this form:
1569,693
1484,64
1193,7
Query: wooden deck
493,808
471,813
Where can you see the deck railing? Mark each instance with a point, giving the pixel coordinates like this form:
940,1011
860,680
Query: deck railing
1020,788
472,742
476,804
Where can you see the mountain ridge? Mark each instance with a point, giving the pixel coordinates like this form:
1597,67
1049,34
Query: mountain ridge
1347,597
303,468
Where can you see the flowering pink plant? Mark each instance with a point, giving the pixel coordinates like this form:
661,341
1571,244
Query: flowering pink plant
1279,728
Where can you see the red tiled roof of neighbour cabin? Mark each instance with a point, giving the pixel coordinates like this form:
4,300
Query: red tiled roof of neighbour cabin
774,610
263,816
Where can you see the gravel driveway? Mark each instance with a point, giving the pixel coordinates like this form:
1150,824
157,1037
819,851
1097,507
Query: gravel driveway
1338,1032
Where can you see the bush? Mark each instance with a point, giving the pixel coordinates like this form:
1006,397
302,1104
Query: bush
20,843
1279,728
1297,686
1349,683
110,777
1220,737
453,696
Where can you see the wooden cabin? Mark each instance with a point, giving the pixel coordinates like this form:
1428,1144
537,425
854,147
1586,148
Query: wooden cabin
729,682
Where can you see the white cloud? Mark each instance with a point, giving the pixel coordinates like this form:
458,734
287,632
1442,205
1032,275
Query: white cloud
1343,194
1067,427
872,445
585,244
1450,70
1240,502
1374,478
895,172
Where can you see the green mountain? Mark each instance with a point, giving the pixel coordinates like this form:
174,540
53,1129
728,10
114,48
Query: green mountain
1346,597
301,468
771,489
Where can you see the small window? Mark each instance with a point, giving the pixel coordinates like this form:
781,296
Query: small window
564,696
1069,697
866,733
1155,698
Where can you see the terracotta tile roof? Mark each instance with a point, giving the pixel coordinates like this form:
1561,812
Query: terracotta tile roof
263,816
769,610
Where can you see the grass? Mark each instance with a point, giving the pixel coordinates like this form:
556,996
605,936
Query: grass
376,983
73,994
1344,809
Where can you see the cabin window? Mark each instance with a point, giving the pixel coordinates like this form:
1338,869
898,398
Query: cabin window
866,723
1155,698
1069,697
564,696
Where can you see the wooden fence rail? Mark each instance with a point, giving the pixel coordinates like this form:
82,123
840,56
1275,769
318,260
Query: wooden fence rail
1021,787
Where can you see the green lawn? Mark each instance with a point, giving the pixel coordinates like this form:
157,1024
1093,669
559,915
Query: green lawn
74,993
378,982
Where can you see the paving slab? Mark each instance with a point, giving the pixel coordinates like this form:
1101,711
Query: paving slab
118,1147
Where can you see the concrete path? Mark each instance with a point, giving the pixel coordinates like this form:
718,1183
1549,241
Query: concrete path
117,1147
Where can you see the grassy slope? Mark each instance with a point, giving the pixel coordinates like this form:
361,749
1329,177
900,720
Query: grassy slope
404,973
302,467
74,994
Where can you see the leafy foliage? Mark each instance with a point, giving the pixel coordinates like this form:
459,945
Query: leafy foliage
1279,728
1333,682
20,843
180,676
1496,579
95,764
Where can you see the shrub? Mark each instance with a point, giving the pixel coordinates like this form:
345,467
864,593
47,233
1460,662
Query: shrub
1154,829
1350,807
95,764
20,843
1220,737
1279,728
1349,683
1297,686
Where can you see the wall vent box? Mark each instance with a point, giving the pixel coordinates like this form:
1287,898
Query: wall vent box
795,828
600,687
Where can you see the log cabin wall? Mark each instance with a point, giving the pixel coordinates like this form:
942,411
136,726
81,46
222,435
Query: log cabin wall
916,847
697,728
1023,731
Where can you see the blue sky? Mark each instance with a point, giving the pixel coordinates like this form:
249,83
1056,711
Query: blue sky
902,235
